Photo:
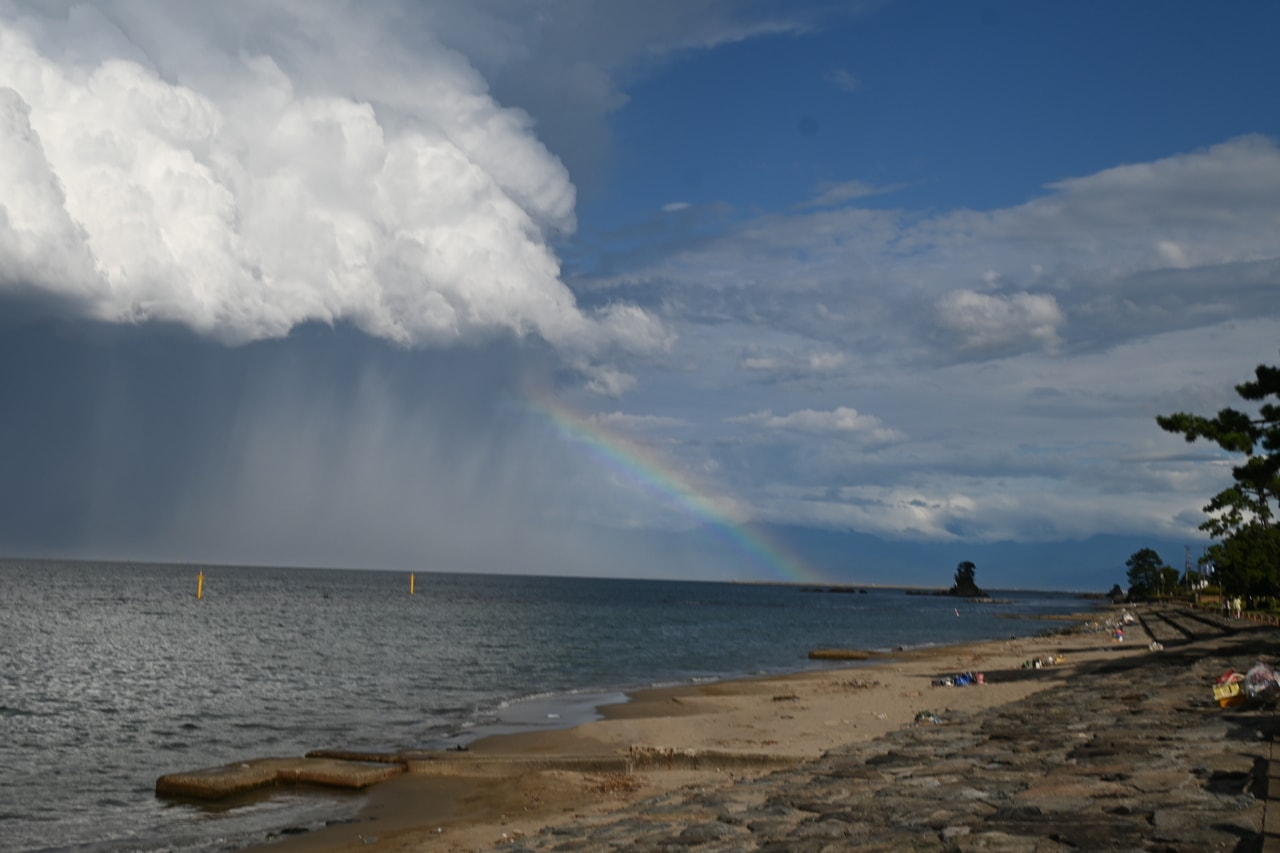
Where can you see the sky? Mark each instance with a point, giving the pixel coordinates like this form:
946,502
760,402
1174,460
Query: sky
822,292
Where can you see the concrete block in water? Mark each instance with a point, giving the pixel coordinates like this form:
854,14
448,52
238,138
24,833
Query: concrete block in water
215,783
841,654
472,764
336,773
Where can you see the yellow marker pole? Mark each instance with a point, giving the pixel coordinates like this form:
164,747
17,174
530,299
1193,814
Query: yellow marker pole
411,583
200,586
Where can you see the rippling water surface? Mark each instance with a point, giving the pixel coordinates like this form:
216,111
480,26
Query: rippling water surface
114,674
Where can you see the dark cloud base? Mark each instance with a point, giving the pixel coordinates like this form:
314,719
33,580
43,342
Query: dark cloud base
330,448
151,442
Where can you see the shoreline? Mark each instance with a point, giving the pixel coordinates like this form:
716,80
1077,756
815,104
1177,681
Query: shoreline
579,706
505,787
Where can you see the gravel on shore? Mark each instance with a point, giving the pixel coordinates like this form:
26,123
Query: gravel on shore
1132,753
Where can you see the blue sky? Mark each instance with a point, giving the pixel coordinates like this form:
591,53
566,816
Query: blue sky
956,105
757,290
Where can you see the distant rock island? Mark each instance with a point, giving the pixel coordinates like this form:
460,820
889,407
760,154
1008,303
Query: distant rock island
964,585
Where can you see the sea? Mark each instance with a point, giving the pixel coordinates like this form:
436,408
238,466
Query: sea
113,674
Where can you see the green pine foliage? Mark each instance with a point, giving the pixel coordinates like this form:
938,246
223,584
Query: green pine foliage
1242,517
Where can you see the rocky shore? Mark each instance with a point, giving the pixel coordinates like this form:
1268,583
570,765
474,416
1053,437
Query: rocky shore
1131,753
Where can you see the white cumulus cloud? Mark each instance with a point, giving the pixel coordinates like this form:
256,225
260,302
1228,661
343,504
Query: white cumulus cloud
637,423
842,419
244,186
988,321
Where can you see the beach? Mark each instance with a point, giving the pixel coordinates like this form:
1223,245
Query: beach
1073,741
123,677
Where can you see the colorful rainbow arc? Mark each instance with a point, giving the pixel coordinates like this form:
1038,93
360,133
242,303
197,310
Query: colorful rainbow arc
648,469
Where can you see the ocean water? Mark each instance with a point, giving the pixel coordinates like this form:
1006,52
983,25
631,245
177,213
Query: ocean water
114,674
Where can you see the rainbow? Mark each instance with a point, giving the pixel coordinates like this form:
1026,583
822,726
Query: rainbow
647,468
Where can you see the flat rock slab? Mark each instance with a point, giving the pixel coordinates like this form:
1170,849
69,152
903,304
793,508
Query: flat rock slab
215,783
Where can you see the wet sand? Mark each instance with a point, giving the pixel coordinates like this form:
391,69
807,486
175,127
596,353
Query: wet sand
497,794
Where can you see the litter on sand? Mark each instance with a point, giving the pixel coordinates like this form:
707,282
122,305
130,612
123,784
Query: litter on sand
1260,685
963,679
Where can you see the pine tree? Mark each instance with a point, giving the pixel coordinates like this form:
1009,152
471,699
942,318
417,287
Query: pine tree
1242,517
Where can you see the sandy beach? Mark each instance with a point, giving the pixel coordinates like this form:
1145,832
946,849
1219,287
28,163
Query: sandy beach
509,790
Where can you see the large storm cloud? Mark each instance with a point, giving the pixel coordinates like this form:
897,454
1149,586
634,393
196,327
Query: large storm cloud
261,165
291,280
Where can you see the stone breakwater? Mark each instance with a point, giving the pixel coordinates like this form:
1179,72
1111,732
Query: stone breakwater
1131,754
